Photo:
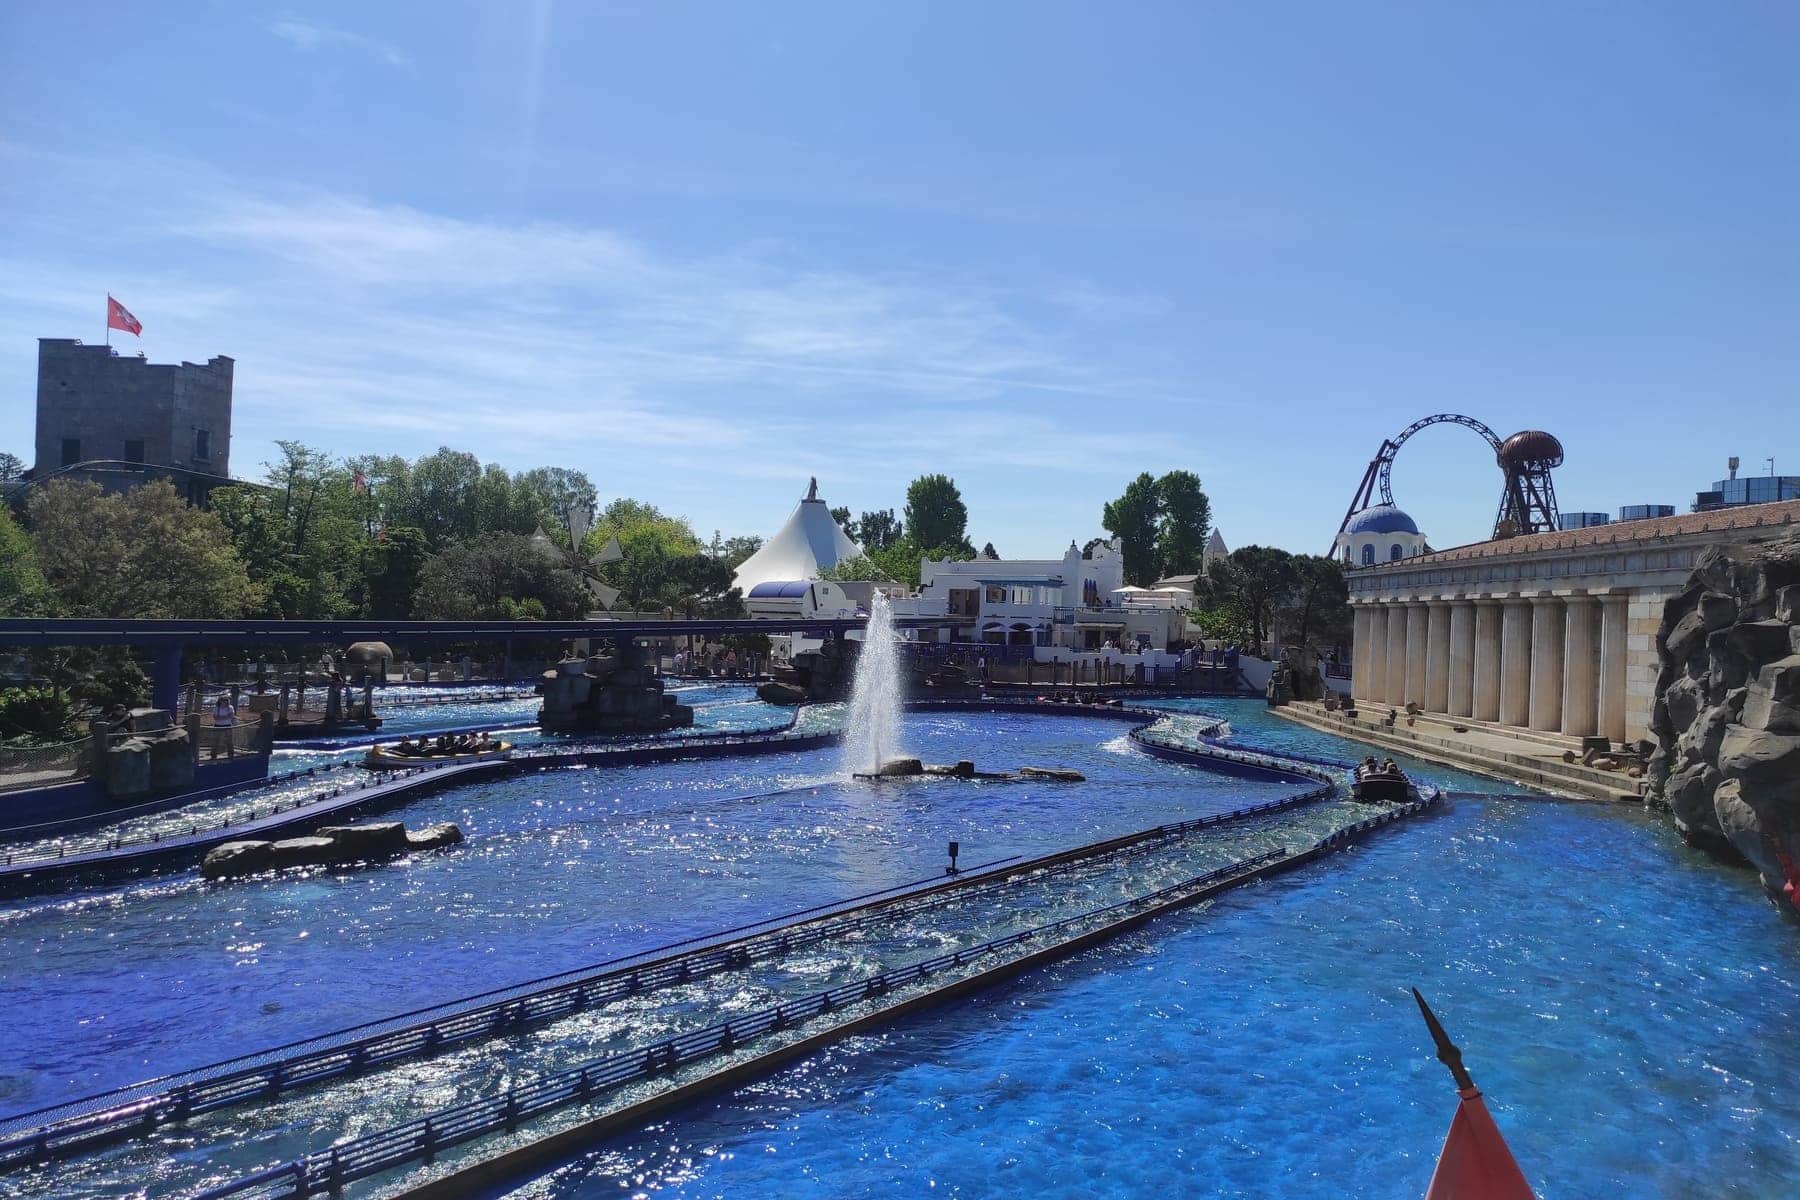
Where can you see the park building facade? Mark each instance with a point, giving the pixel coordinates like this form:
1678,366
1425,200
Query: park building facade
1552,631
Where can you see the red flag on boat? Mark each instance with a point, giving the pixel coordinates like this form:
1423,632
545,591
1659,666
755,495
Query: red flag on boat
119,317
1475,1163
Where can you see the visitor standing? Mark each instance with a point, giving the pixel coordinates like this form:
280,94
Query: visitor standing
224,719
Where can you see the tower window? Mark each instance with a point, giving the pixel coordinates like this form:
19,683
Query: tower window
1395,554
134,450
71,451
1368,554
202,443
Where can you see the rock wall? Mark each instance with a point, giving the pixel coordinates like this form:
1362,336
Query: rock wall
616,693
1727,714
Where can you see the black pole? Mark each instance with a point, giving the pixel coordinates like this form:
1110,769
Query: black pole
1447,1051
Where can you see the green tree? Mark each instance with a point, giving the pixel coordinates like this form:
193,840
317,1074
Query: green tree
1132,519
733,551
1183,523
146,553
23,592
394,559
845,521
1252,582
879,529
490,576
11,466
936,515
560,489
649,540
440,496
1316,611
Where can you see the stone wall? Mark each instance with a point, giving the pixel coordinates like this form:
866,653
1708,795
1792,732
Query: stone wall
105,399
1727,712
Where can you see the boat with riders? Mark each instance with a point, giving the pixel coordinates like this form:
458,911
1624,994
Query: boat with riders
428,751
1381,782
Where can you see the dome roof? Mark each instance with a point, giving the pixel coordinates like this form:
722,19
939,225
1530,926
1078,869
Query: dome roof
1532,445
1381,518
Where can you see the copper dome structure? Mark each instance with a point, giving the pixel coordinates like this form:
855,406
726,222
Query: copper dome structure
1531,446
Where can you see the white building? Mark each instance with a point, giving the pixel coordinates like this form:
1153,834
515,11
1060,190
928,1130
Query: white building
1378,534
1073,602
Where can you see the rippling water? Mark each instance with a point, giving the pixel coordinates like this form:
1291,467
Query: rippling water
1626,1004
1627,1007
110,985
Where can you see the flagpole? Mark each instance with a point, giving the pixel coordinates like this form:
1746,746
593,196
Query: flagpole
109,320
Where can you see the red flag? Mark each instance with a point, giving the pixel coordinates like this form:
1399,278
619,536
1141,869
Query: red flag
119,317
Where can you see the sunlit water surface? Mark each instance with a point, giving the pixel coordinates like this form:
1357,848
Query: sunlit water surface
1626,1004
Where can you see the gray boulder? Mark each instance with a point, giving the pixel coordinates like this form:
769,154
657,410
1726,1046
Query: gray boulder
368,840
236,859
305,851
431,837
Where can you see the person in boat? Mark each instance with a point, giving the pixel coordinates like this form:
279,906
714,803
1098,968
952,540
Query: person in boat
1369,765
1389,767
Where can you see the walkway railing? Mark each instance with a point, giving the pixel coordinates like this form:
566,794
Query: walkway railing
42,766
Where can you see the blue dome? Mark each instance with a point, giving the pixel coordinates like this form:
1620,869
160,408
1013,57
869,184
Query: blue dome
1381,518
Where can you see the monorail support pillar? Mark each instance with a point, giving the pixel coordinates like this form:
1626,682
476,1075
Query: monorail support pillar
165,676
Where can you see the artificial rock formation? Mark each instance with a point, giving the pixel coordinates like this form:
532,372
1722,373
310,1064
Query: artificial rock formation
616,693
331,846
1727,715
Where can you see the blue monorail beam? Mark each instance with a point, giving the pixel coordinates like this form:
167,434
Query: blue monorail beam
168,640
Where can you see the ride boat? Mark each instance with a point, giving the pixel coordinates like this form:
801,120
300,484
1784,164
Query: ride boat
1380,783
393,757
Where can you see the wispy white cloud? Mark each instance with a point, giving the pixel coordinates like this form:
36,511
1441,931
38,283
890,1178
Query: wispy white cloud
310,36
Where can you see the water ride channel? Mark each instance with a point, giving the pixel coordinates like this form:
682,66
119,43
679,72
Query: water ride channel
714,962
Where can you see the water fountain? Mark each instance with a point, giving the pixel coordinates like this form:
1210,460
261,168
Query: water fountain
872,726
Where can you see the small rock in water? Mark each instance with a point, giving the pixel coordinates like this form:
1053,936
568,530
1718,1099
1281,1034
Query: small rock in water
898,767
234,859
444,833
1060,774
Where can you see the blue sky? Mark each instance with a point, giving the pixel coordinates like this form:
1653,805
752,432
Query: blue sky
705,251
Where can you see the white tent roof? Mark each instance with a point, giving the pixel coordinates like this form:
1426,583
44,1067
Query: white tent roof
808,543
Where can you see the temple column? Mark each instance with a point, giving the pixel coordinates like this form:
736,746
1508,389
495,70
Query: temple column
1581,675
1460,702
1371,679
1614,624
1546,662
1359,646
1484,699
1437,656
1415,654
1515,662
1394,689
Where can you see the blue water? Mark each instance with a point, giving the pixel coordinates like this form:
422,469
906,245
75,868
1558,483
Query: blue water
107,986
1625,1003
1627,1006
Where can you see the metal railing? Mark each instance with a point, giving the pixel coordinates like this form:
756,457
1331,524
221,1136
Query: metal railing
42,766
